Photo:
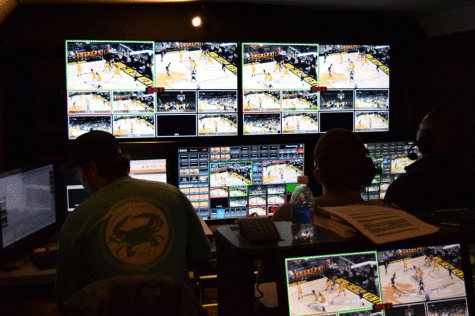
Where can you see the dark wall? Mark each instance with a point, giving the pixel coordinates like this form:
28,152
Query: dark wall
32,53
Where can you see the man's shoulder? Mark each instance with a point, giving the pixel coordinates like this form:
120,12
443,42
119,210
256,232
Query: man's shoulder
429,172
141,185
128,188
337,199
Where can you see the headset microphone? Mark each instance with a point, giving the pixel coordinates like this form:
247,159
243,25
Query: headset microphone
412,154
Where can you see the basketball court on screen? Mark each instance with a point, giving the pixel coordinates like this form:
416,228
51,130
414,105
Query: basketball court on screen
336,70
210,74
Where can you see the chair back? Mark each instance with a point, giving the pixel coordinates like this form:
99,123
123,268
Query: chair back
145,295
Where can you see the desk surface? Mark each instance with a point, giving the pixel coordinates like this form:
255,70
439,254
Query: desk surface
230,234
26,274
236,257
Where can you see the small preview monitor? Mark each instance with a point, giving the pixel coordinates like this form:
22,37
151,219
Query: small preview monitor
391,158
27,202
146,169
419,280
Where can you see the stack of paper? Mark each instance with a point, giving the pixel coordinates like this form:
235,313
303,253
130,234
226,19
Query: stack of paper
380,224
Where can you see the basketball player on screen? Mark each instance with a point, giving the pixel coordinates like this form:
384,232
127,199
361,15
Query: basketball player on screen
99,80
79,70
323,300
329,282
341,289
167,69
116,72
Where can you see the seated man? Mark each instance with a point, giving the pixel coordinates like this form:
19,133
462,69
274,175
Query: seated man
444,177
127,226
341,167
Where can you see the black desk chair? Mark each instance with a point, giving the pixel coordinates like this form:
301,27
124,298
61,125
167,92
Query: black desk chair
143,295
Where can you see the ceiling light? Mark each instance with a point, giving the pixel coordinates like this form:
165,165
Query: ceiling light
196,21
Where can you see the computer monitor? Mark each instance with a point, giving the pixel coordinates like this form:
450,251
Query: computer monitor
391,158
232,181
291,88
27,203
145,169
424,279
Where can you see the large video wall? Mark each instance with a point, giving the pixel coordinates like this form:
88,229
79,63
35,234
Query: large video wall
150,89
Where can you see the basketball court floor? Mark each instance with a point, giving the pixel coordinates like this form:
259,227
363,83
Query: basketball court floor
365,74
370,122
280,79
88,103
127,127
281,173
260,102
296,123
209,75
334,299
438,283
216,125
83,80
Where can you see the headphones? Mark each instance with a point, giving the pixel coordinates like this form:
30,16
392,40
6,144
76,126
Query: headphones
412,154
424,142
369,170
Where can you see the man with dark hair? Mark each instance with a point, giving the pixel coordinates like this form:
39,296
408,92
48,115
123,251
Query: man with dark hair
341,167
127,226
443,177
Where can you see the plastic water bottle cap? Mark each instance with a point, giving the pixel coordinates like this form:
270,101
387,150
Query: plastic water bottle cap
302,179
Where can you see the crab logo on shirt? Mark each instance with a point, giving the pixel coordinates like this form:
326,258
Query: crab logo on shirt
138,234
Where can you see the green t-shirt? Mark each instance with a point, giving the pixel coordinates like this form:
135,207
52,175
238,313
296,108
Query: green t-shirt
130,227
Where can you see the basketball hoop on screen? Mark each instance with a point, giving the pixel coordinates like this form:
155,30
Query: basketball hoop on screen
340,95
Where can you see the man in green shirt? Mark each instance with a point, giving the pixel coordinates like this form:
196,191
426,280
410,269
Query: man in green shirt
127,226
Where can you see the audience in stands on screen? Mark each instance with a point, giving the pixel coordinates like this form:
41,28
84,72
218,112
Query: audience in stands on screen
341,167
127,226
444,177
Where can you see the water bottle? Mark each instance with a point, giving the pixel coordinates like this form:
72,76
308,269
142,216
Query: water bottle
302,210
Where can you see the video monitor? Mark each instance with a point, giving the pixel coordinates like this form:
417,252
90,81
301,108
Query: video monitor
224,182
391,158
200,83
112,86
146,169
27,203
321,87
415,281
106,83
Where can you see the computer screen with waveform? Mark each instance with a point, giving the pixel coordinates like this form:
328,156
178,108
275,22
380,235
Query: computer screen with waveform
27,202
